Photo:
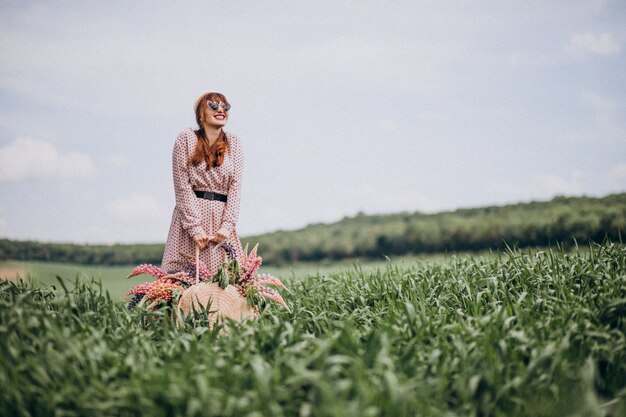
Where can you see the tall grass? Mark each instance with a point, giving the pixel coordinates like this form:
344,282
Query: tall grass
540,334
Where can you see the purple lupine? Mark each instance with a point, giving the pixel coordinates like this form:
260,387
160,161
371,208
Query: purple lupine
134,301
230,250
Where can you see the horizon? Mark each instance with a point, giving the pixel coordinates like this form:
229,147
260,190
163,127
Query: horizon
341,108
527,202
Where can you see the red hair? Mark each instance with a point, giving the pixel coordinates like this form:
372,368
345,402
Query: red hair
212,155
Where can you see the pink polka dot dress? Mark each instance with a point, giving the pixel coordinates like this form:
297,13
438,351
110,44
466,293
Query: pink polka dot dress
194,215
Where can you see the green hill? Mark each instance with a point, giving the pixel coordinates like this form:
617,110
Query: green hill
563,220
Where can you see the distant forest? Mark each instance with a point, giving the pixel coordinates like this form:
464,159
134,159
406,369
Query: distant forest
563,221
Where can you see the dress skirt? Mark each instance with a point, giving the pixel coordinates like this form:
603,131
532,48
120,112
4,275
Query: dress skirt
180,244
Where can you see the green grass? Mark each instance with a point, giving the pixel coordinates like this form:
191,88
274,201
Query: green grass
515,334
114,280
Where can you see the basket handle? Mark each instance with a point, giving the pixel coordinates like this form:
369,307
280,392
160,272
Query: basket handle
197,264
219,245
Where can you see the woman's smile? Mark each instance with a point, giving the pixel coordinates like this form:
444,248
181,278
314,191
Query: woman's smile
217,119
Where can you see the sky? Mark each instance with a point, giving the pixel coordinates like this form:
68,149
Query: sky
341,106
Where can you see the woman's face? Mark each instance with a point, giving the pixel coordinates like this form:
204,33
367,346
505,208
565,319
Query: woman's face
215,113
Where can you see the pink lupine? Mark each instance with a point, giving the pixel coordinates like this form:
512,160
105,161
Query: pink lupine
272,294
250,263
203,271
180,277
162,291
250,268
139,289
241,274
249,257
267,279
244,261
241,290
147,269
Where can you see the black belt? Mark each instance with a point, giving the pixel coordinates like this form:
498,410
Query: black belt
210,195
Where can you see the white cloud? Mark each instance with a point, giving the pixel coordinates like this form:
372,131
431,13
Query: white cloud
540,186
347,54
387,124
606,118
617,175
599,102
28,158
390,198
531,60
415,65
590,43
613,180
432,116
546,186
138,206
116,160
137,217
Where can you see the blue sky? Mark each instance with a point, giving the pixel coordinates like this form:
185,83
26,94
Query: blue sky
342,107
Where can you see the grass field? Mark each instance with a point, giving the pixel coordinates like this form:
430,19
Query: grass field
514,334
113,278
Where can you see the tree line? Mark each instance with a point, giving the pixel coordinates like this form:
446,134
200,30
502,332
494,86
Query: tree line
563,220
81,254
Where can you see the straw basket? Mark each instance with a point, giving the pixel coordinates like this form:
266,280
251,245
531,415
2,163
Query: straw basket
219,302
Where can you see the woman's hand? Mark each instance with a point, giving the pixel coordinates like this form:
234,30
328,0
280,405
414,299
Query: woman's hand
218,238
202,240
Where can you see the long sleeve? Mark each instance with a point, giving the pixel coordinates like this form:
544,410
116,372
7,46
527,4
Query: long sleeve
186,200
231,212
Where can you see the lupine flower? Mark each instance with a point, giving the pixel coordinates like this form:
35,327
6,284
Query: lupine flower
267,279
134,301
241,290
272,294
230,250
162,291
147,269
182,277
140,289
240,273
250,263
189,266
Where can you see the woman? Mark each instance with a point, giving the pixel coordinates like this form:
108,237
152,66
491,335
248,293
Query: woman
207,165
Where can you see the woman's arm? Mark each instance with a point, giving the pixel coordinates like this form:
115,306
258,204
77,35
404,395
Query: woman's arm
231,212
186,200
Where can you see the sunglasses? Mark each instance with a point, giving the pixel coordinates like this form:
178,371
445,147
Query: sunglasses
214,105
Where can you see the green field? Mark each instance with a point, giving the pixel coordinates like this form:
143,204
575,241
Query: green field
517,333
113,278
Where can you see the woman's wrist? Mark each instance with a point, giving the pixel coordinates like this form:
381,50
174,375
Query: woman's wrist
196,230
224,231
